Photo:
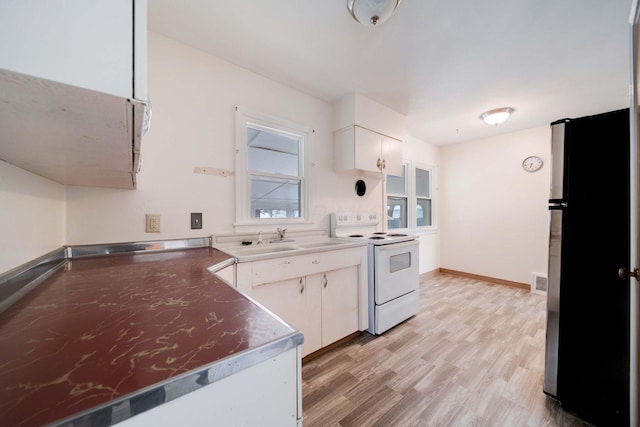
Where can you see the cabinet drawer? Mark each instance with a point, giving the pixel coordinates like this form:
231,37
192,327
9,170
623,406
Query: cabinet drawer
285,268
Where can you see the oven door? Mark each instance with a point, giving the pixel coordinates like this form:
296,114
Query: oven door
396,270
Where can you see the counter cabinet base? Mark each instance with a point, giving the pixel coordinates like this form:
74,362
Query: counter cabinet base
268,393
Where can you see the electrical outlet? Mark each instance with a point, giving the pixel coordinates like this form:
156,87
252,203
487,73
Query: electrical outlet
196,220
153,223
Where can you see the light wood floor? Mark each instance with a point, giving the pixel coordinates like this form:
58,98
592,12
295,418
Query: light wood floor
473,356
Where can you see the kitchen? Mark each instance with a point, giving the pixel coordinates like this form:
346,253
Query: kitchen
194,96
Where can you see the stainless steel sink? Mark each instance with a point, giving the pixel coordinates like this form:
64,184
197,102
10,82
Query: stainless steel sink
273,250
266,249
323,244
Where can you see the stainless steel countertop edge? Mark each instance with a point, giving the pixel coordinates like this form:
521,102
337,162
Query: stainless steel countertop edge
17,282
81,251
185,383
27,276
219,266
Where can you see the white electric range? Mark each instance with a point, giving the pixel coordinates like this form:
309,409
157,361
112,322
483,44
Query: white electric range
393,268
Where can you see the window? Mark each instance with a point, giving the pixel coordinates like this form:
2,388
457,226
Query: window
423,197
270,168
409,197
397,200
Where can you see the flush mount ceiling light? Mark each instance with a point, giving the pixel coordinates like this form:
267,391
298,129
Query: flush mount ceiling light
497,116
372,12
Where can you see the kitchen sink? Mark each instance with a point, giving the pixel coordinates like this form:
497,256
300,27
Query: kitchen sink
267,249
274,250
323,244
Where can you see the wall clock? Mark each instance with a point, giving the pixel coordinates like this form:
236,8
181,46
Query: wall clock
532,164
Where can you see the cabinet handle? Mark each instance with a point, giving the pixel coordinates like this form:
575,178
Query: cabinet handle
379,163
287,262
301,286
384,164
324,276
315,261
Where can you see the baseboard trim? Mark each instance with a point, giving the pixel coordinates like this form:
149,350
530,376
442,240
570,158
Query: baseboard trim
429,274
330,347
518,285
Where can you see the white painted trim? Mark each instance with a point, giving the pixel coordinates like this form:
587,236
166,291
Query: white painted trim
634,291
244,116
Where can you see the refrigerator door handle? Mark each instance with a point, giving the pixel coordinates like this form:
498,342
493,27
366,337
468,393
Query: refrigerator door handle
624,273
559,207
553,303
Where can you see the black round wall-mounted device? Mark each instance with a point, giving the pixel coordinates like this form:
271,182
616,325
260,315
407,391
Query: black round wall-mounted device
361,187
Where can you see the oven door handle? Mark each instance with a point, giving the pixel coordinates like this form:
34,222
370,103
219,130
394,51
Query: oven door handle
397,246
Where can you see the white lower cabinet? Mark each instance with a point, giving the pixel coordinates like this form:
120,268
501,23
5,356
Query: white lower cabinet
323,295
288,299
339,303
266,394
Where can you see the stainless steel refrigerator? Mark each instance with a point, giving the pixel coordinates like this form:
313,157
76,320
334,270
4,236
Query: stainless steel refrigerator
587,347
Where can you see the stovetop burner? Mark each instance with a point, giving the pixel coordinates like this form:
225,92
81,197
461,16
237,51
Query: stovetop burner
365,227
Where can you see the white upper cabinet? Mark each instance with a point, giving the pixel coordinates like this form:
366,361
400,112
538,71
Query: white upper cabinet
73,89
84,43
392,154
360,149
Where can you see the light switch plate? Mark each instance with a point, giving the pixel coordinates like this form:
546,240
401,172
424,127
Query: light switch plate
196,220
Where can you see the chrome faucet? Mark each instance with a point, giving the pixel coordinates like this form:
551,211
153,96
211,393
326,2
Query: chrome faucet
280,239
281,232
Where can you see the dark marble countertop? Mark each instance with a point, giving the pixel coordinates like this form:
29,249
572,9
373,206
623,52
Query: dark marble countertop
106,337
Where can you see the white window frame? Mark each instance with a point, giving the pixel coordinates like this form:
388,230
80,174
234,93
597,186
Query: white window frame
412,198
406,196
244,119
414,201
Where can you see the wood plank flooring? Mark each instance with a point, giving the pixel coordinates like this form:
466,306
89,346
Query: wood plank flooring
473,356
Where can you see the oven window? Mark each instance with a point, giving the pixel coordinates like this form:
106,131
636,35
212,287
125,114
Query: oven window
399,262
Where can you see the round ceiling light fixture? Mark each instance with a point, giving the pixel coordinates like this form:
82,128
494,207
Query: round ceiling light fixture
372,12
497,116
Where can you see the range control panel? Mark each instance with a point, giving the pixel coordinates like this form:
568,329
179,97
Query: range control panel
354,219
353,222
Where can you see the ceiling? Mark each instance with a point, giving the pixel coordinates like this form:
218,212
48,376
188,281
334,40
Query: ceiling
441,63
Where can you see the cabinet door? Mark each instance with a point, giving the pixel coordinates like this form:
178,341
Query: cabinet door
392,155
313,334
81,43
288,300
367,150
339,304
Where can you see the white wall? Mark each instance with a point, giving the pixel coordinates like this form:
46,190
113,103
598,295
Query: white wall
493,214
193,95
32,211
193,124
